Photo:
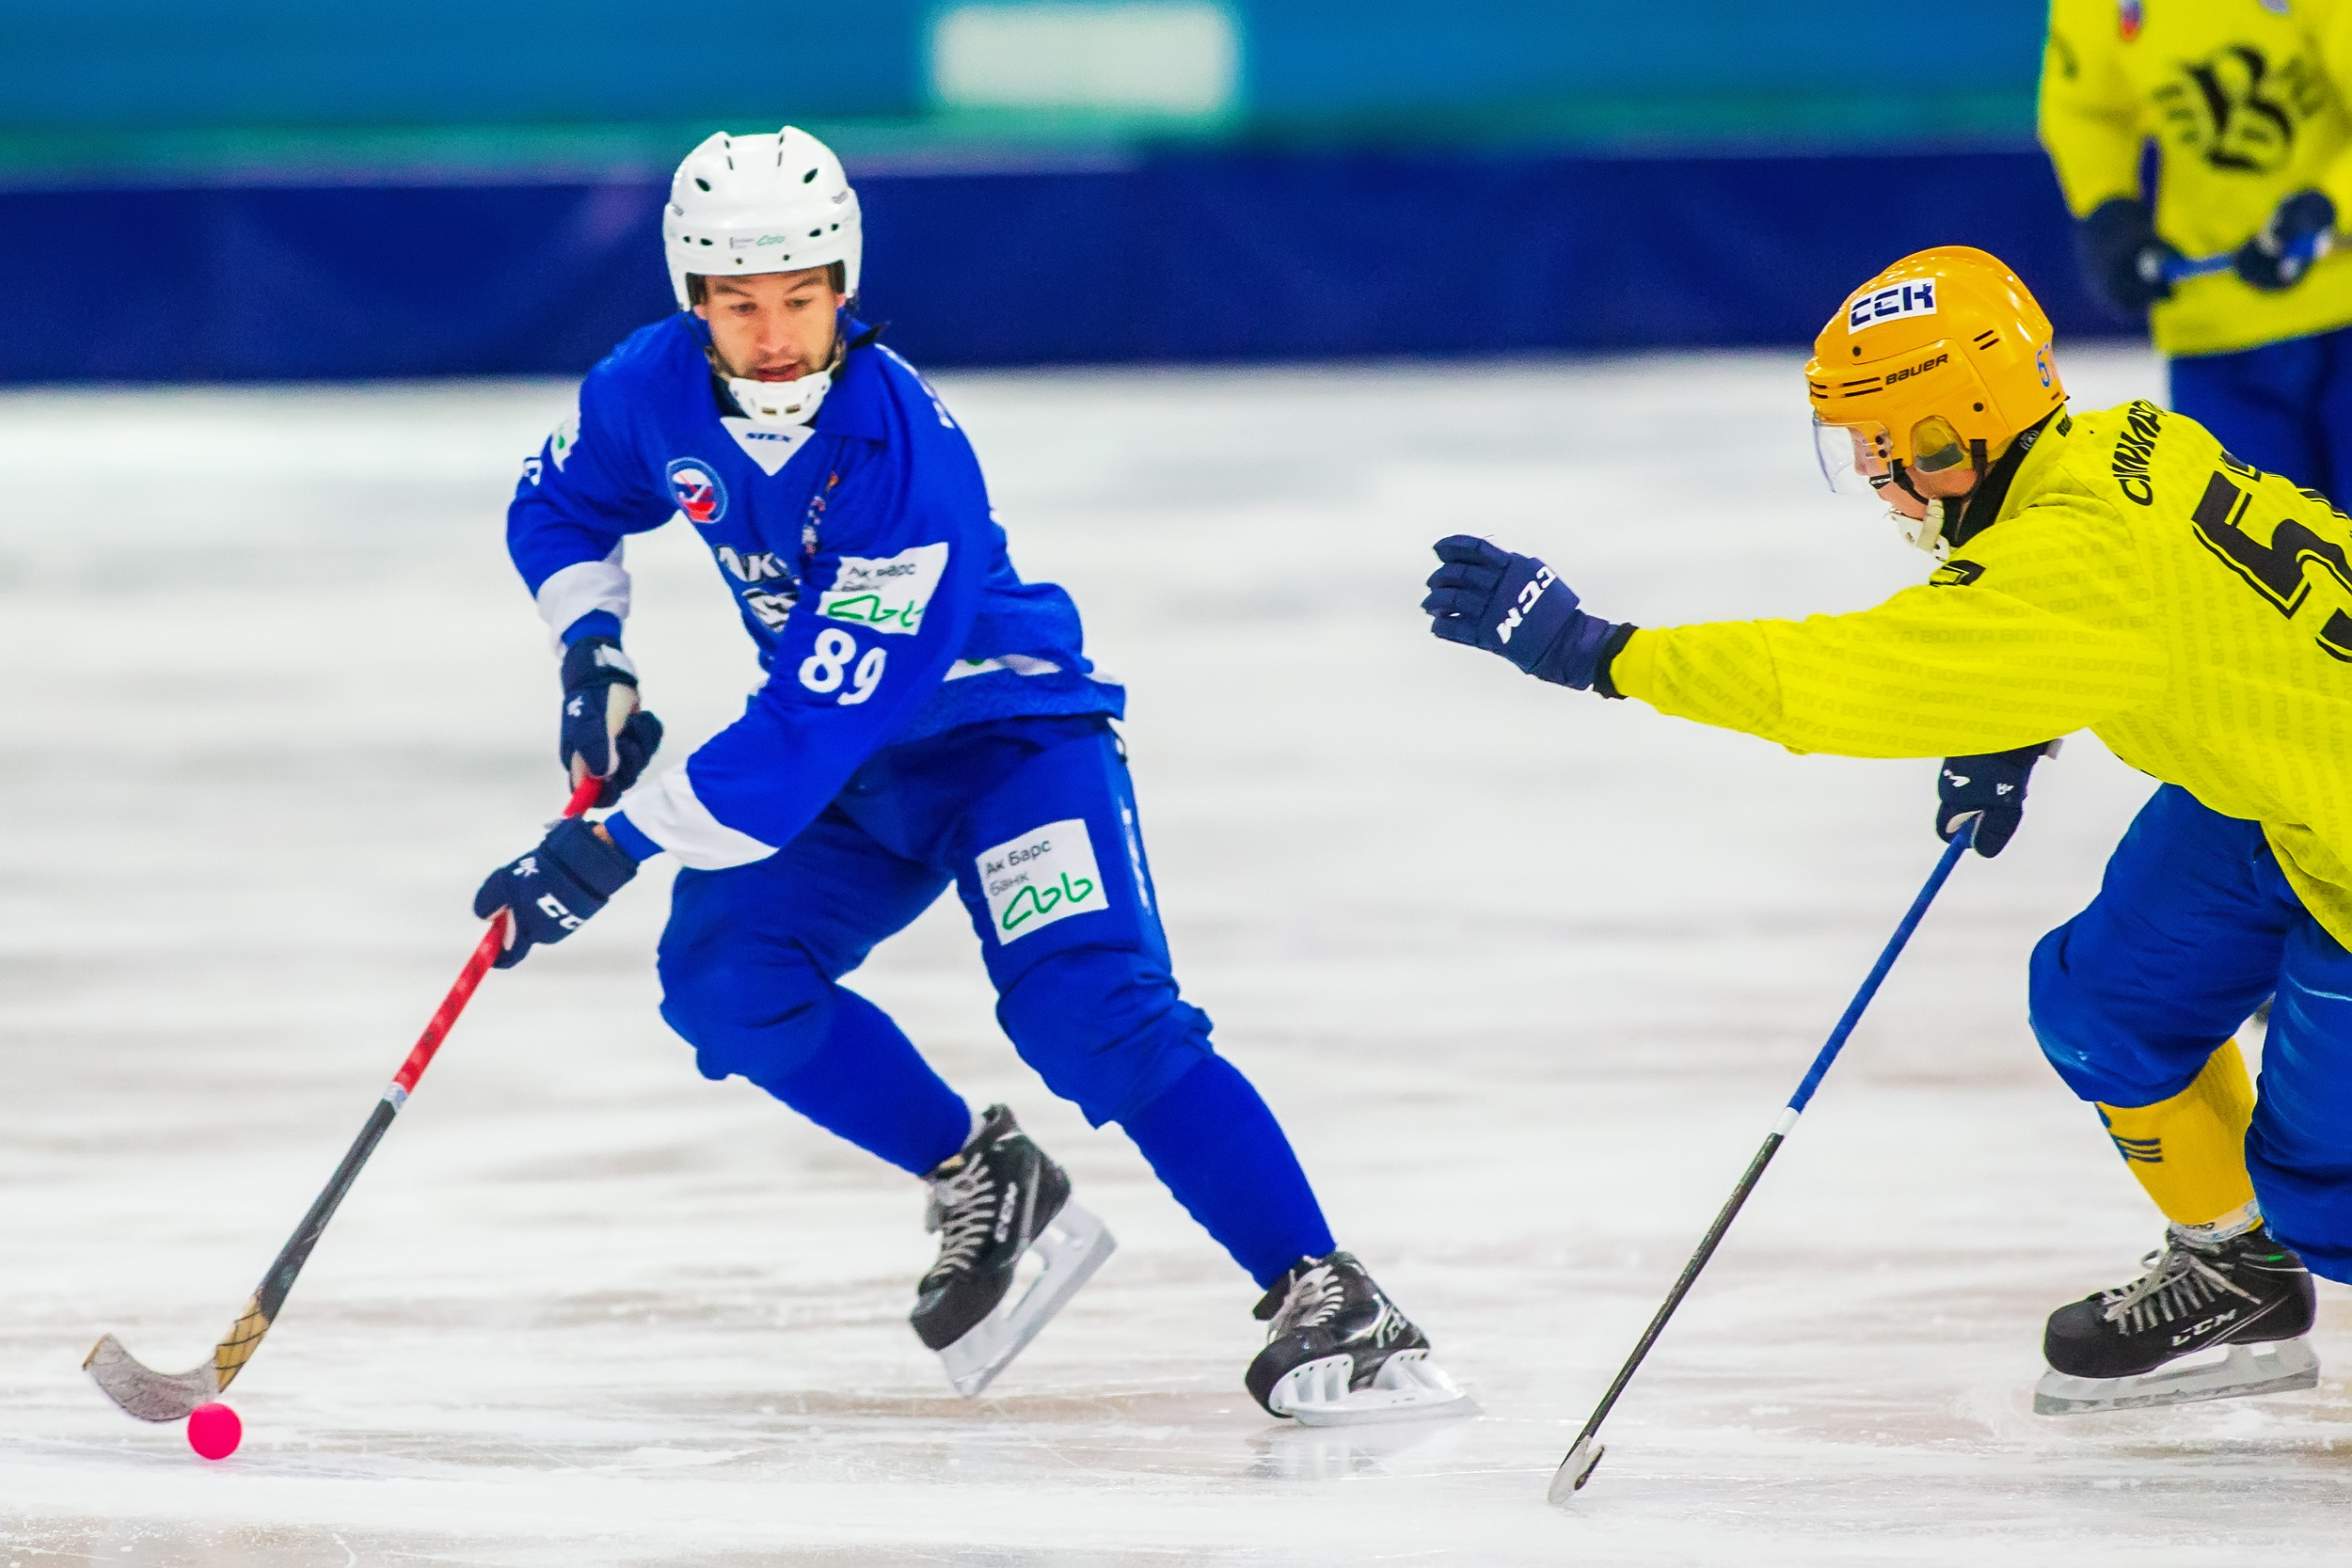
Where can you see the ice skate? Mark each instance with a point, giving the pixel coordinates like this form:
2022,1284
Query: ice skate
2208,1320
1339,1352
1012,1250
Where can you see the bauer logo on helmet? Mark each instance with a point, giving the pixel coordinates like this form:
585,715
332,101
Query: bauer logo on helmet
1914,298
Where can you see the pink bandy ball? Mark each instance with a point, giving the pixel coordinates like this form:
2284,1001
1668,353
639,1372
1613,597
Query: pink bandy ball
213,1430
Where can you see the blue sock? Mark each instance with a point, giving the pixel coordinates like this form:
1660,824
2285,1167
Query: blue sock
869,1084
1219,1149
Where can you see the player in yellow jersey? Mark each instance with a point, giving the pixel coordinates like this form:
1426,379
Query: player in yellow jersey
2117,571
2247,103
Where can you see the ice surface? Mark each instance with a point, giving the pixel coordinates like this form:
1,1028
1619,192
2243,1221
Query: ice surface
1527,973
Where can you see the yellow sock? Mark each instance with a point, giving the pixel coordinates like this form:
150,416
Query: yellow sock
2190,1151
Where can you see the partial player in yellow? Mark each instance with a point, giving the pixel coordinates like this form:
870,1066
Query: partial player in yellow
2246,101
2115,571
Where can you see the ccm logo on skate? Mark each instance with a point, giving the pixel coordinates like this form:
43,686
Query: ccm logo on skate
2200,1330
1528,595
1904,299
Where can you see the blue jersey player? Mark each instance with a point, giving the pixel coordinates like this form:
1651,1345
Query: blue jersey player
928,718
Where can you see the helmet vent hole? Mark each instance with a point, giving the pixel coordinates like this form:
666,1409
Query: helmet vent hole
805,178
1986,340
816,233
1981,409
705,241
1857,351
702,183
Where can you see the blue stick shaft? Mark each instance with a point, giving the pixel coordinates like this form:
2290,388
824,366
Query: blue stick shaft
1895,944
1578,1465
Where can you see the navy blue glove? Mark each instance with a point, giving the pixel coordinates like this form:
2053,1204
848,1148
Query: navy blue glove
553,890
2123,258
1995,784
604,733
1516,605
2279,256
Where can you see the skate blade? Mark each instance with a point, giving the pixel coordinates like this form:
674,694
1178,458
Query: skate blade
1072,1248
2279,1367
1408,1387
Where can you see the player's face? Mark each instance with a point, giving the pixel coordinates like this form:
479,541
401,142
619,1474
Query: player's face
774,325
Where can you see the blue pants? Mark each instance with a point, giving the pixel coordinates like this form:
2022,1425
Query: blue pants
1033,821
2285,407
2194,924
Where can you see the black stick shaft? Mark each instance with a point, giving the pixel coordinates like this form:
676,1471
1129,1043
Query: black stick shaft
1682,1286
287,1266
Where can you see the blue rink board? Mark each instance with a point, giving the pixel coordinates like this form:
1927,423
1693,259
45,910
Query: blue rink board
1213,255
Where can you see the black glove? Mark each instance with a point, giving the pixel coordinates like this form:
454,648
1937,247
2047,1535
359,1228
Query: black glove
605,735
552,891
2279,256
1516,605
1995,784
2123,258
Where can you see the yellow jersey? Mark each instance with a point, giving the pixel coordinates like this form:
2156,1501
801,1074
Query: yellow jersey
2138,581
2242,99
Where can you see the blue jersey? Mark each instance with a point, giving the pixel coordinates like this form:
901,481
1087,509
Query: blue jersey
861,554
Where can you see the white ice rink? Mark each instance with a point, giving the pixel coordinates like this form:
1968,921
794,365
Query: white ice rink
1527,975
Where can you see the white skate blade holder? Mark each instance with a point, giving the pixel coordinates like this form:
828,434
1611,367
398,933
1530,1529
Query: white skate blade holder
1070,1249
2279,1367
1408,1387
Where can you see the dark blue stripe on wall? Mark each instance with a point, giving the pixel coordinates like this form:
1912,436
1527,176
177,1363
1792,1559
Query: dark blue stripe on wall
1206,256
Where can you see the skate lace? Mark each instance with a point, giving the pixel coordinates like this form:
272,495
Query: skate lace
2177,1284
963,1212
1314,1297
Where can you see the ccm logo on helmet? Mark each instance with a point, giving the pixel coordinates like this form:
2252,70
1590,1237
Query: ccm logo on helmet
1893,304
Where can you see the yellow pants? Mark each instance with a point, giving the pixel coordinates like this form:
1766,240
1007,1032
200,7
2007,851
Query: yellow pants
2190,1151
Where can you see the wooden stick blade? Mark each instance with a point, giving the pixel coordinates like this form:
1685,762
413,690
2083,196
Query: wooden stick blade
1575,1471
142,1391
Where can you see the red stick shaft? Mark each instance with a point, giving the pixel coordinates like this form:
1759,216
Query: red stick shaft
484,954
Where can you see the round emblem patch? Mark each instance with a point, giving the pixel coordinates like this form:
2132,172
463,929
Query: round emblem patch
696,488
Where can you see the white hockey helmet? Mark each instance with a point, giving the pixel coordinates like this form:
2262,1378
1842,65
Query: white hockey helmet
761,203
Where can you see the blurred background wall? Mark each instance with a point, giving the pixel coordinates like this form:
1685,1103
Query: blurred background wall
260,189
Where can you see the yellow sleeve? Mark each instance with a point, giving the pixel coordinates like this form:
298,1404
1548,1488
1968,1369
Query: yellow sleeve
2093,122
2331,22
2047,631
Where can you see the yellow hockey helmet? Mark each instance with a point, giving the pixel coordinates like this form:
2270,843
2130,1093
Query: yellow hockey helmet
1938,361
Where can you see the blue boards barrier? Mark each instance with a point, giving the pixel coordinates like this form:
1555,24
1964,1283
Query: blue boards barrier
1229,255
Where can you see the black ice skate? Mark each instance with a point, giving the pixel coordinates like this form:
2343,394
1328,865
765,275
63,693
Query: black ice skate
1338,1351
1012,1250
2208,1320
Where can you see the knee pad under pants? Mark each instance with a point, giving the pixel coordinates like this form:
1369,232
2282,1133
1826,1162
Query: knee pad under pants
1105,1028
2129,998
761,1011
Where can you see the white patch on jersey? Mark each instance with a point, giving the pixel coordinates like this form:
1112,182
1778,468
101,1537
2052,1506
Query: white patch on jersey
563,438
1916,298
888,593
770,446
1045,874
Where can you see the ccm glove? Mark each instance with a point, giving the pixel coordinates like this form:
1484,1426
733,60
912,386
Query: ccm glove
1516,605
552,891
605,735
2122,257
2279,256
1995,784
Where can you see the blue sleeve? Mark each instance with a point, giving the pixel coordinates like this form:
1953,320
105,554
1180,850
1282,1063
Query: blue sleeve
577,498
901,564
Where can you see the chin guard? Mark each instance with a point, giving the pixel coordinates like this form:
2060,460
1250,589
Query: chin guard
1924,533
782,404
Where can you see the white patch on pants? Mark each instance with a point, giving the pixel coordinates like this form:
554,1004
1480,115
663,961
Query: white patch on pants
1045,874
